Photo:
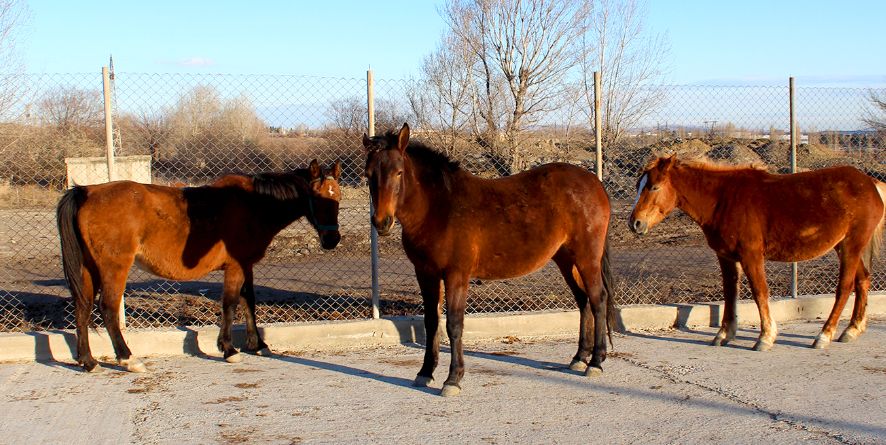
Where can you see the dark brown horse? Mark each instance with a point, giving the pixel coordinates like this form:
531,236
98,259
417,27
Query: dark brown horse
748,216
183,234
457,226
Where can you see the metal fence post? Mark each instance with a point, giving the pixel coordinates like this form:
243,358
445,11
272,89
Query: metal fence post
373,234
794,271
598,125
109,154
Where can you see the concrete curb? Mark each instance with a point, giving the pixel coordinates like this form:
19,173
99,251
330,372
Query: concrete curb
61,345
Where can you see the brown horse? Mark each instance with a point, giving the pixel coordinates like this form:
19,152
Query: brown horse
457,226
748,215
183,234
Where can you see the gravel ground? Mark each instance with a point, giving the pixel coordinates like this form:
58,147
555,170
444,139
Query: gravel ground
659,387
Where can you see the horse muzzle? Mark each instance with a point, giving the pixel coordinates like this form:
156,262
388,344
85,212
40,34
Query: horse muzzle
383,226
329,239
638,226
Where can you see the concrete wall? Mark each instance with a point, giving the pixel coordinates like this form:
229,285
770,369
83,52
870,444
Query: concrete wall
94,170
61,345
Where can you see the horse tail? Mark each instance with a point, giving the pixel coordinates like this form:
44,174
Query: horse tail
71,240
872,250
608,291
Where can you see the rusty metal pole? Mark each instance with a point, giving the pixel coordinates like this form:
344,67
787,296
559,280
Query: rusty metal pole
794,269
373,234
598,125
109,154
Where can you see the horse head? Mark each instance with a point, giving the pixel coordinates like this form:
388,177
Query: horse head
656,196
323,203
385,165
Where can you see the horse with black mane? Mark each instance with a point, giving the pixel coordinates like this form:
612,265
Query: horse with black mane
183,234
457,226
749,215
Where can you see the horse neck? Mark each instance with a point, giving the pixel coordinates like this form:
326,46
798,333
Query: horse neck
422,197
698,191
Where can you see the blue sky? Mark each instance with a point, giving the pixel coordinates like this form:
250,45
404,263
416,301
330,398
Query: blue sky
751,42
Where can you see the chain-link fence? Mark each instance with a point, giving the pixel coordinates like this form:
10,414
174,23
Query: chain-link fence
189,129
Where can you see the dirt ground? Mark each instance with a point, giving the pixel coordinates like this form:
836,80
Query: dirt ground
658,388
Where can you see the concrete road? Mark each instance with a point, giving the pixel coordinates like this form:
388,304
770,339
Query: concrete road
659,387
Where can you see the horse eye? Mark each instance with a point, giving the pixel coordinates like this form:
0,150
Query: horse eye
399,174
655,188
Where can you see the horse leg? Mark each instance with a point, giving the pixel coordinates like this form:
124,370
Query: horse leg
254,342
113,285
586,322
456,296
731,274
234,278
859,322
593,281
431,298
754,268
849,260
83,305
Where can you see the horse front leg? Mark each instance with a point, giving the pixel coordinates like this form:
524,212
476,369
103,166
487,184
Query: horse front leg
756,272
731,274
254,342
234,279
431,298
456,298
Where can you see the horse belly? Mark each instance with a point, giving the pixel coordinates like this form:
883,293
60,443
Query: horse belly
173,268
504,265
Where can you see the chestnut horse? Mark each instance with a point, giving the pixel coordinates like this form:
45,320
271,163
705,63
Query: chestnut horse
748,216
457,226
183,234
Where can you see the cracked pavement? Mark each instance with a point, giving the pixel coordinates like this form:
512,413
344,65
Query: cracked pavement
658,387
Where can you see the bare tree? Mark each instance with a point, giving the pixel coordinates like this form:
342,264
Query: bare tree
13,14
629,61
528,45
443,99
70,109
876,115
349,115
146,132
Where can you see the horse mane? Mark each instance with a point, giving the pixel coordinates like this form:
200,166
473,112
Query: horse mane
422,153
706,164
282,186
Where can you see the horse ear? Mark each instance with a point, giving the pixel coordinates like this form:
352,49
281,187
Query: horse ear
666,163
403,140
366,142
315,170
336,170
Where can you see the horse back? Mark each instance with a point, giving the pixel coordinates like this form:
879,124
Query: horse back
162,229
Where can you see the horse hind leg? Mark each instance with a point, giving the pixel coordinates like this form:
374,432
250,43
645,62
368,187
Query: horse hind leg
113,285
83,305
590,272
849,261
858,323
570,274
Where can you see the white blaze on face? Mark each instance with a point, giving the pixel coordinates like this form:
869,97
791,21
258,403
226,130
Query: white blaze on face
331,193
642,184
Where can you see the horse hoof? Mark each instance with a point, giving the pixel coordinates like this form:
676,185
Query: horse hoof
594,371
450,391
236,358
578,365
847,337
133,365
717,341
95,369
763,346
820,342
264,352
422,381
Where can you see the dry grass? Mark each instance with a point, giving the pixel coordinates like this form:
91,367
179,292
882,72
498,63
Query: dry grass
27,196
